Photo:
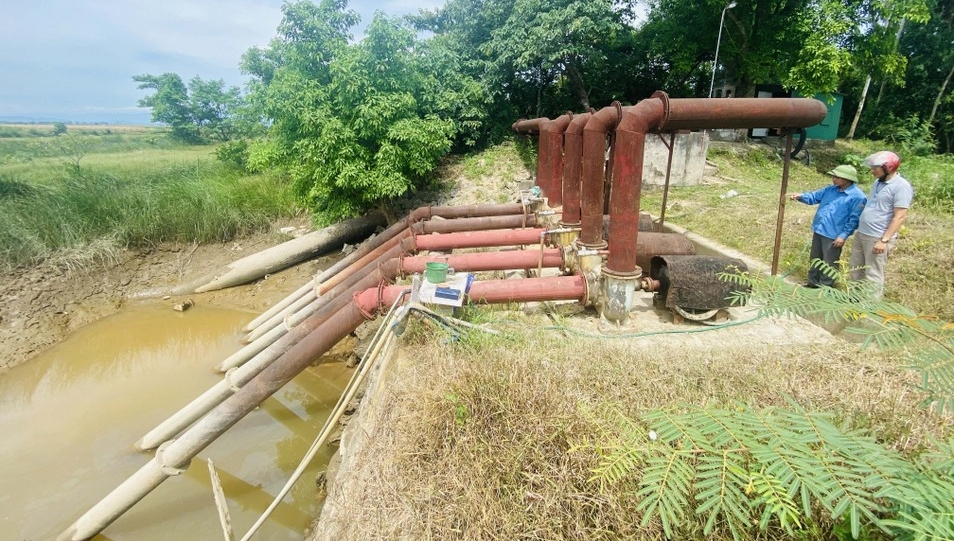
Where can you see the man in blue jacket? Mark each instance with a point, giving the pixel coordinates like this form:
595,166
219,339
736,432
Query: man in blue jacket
839,208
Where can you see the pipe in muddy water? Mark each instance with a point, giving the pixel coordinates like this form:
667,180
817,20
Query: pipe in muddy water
177,454
386,271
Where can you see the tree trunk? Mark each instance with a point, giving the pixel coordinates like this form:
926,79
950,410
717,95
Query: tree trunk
940,94
577,81
861,105
897,44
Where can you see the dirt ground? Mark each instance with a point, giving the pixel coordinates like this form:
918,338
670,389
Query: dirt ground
41,305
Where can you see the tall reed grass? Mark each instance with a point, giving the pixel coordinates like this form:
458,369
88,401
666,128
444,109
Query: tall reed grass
156,200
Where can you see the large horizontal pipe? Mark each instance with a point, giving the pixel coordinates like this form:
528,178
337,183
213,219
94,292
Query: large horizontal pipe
487,261
551,288
706,113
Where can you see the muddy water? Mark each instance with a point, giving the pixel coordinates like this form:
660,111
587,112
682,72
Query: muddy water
69,418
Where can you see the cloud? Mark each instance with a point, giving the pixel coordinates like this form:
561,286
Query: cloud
70,56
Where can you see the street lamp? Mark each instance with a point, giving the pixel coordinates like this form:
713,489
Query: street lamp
715,63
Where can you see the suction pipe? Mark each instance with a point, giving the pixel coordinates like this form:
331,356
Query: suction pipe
173,457
550,159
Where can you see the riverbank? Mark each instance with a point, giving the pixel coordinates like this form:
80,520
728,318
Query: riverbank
40,305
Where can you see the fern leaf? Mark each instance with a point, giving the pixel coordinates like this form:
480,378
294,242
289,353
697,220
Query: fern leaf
664,490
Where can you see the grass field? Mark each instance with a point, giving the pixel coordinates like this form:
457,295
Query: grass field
919,271
88,193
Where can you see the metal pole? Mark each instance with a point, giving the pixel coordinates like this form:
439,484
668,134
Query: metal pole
715,62
781,203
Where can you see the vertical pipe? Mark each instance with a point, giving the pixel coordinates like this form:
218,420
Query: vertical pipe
662,213
573,169
594,161
627,183
550,178
781,203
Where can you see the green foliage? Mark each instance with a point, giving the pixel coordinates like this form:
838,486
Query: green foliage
202,111
912,136
740,471
234,153
354,131
107,208
925,343
59,128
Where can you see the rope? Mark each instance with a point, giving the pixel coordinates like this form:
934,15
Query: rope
383,336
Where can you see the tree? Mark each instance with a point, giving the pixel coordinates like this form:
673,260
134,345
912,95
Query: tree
538,57
929,52
203,110
350,122
170,103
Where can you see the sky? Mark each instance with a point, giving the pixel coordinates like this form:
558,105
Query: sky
73,60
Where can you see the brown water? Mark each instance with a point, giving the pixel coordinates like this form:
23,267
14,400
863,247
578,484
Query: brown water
69,418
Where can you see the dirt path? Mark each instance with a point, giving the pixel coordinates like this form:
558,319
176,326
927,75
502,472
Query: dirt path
39,306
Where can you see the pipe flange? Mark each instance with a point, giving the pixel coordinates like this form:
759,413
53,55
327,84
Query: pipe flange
619,115
234,387
636,274
601,245
664,98
378,302
585,301
166,469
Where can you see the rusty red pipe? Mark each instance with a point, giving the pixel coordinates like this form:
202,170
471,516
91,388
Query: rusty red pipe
472,239
356,259
515,221
573,169
529,126
479,223
705,113
550,159
554,288
594,157
659,113
627,184
487,261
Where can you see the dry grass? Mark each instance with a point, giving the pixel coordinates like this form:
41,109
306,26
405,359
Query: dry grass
918,274
473,438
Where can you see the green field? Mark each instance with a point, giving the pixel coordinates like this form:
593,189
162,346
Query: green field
84,194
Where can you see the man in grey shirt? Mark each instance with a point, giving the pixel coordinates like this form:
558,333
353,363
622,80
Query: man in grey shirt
880,221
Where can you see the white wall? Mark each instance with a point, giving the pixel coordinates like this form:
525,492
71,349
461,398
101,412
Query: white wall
688,159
